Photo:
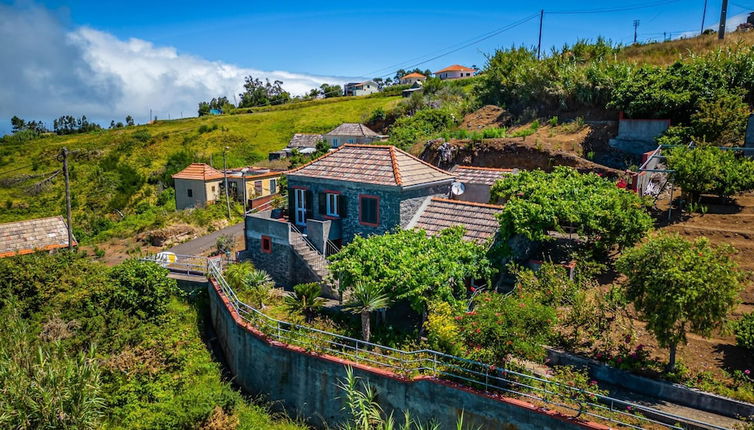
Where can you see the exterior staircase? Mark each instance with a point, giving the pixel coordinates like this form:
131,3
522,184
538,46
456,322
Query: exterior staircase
315,261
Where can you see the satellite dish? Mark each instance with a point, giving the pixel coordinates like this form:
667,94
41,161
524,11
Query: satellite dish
457,188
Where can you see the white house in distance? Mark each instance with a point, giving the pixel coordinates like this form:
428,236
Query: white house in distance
361,88
349,132
412,78
456,71
196,186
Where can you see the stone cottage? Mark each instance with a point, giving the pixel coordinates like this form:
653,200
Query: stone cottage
354,190
351,133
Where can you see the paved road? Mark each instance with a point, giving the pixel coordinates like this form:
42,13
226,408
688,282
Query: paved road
201,245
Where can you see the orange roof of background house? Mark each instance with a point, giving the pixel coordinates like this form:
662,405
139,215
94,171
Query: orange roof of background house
372,164
200,171
414,75
456,68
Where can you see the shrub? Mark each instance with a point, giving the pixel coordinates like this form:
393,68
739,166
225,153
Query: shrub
549,285
443,332
142,135
745,331
236,275
305,299
143,288
503,325
710,170
408,130
721,119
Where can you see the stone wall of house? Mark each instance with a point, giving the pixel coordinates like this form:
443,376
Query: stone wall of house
414,198
396,206
280,262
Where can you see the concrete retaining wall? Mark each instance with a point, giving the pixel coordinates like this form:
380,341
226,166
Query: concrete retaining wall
306,384
674,393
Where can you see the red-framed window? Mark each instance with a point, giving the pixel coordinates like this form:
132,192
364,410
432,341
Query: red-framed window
369,210
266,245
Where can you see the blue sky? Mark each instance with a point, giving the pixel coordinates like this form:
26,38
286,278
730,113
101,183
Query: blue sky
109,59
339,38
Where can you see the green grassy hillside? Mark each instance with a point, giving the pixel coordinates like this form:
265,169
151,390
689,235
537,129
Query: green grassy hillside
120,177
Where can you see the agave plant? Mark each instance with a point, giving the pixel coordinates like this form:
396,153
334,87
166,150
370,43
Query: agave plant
365,299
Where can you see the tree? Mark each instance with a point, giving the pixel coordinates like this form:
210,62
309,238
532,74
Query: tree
17,124
143,288
366,298
412,266
259,93
680,286
305,299
328,91
129,120
538,202
710,170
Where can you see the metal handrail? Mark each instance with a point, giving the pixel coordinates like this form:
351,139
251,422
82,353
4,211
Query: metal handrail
331,248
457,369
321,262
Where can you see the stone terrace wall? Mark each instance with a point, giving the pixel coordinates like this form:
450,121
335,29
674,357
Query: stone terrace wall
306,384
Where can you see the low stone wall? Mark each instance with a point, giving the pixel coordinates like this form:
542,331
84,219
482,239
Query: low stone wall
675,393
306,384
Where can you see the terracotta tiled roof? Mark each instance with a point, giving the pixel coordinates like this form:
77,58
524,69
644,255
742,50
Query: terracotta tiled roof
352,129
479,175
200,171
25,237
372,164
304,140
413,75
456,68
477,218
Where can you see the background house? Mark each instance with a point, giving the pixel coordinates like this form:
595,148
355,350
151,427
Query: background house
197,185
456,71
33,235
360,88
351,133
304,143
254,185
477,182
412,78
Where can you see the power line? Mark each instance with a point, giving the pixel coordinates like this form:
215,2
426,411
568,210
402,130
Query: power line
615,9
506,28
452,48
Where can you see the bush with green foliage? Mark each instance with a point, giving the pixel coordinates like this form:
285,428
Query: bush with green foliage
142,288
408,130
538,202
305,299
412,266
680,286
146,375
745,331
722,119
710,170
549,284
506,325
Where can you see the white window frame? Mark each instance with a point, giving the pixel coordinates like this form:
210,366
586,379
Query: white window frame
331,204
334,142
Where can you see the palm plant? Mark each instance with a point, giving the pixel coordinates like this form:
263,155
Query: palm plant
259,284
305,299
366,298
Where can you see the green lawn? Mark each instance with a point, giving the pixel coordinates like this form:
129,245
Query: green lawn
123,171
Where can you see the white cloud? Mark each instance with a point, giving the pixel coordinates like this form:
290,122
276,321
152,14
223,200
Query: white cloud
50,70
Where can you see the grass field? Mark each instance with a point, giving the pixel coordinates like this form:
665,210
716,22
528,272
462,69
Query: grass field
664,53
118,176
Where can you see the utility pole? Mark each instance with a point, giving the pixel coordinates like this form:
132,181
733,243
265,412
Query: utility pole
704,15
539,44
636,27
64,155
225,174
723,17
150,116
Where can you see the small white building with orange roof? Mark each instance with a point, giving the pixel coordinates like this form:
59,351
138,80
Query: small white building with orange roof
456,71
196,186
412,78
